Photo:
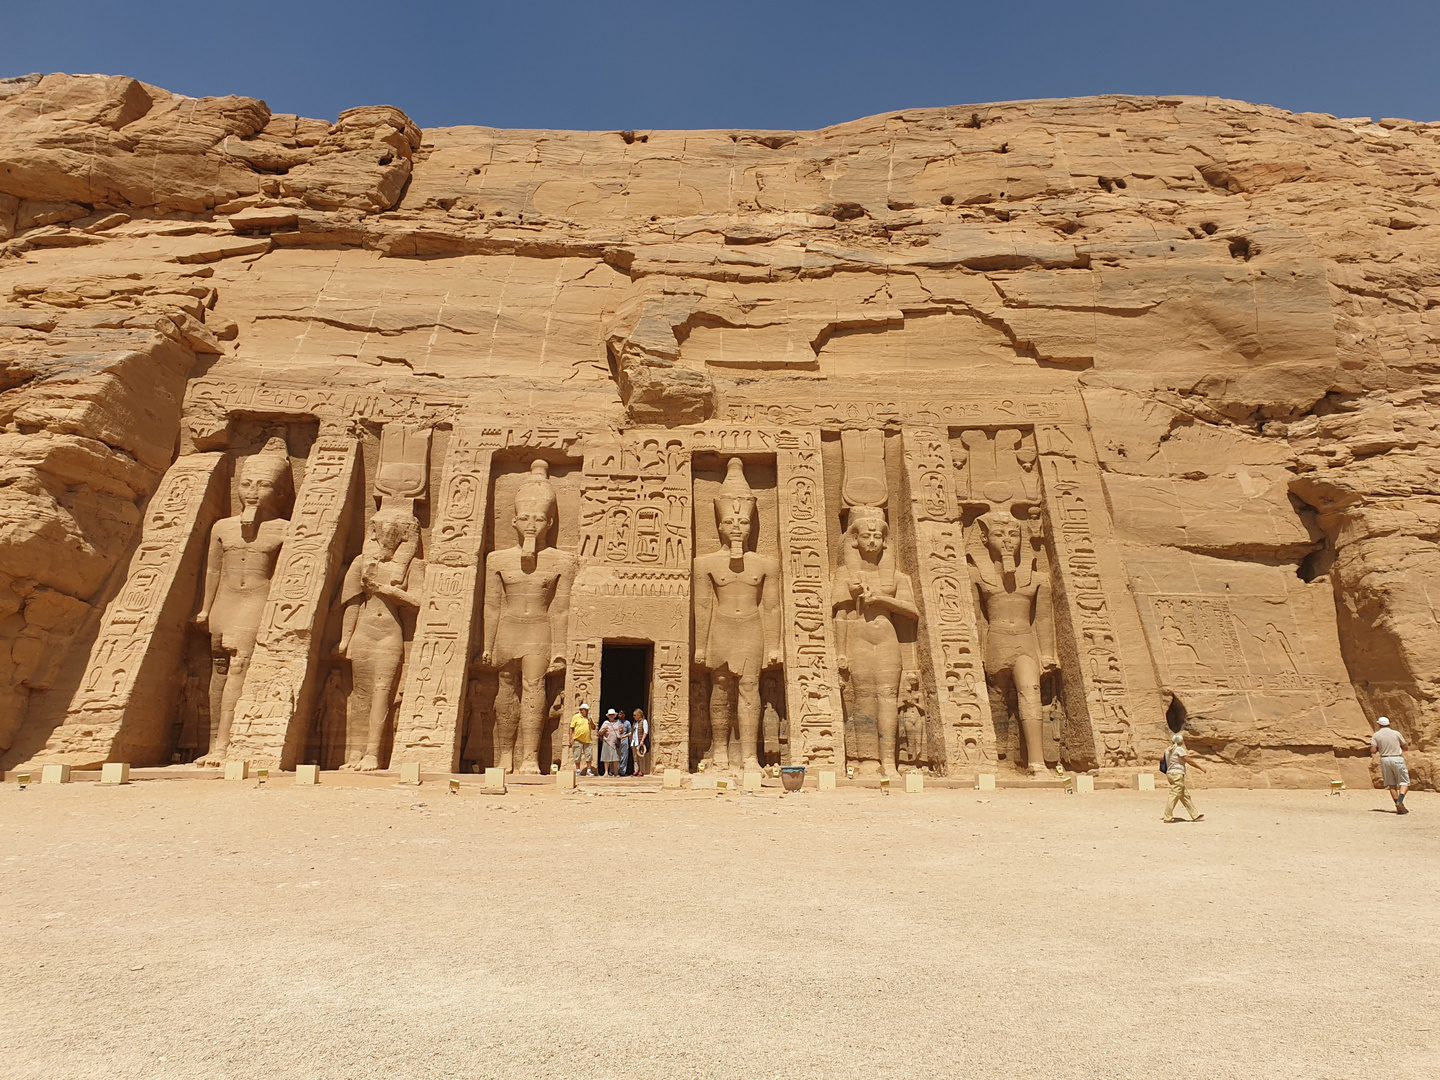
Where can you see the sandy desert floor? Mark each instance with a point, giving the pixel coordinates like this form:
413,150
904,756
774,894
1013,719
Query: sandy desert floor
360,929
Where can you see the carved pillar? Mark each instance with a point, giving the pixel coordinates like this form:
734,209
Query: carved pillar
428,727
817,725
271,715
949,638
123,708
1097,625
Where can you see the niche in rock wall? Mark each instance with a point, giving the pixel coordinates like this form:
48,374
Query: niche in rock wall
265,463
998,486
709,694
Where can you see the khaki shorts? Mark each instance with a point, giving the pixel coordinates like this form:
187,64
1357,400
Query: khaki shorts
1393,772
581,752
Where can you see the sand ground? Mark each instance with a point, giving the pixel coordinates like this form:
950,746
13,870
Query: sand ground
212,929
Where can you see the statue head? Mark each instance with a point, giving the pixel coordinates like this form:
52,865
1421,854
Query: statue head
392,529
264,483
534,509
868,531
1003,535
734,509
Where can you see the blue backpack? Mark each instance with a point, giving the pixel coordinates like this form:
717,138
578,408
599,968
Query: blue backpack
1165,762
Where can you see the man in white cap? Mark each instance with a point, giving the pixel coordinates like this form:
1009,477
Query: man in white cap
582,741
1390,745
1176,759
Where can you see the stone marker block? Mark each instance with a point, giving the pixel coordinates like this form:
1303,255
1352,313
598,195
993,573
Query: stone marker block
827,780
23,779
494,782
722,785
673,778
115,772
307,774
565,780
702,782
1084,783
985,781
1144,781
55,774
410,772
753,781
914,783
237,770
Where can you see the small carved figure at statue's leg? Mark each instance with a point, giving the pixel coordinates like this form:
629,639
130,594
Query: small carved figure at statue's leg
219,718
532,711
509,701
1026,675
747,719
722,708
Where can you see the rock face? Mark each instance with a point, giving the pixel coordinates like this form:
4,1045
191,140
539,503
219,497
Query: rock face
1180,355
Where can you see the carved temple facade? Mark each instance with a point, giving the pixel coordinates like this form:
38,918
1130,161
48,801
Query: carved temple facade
1064,647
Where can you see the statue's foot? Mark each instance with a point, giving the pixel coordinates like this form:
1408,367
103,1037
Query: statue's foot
530,768
369,763
1040,772
209,761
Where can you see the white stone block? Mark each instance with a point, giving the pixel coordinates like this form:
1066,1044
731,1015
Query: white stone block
703,782
1145,781
914,783
674,778
985,781
494,782
409,772
753,781
237,770
1084,783
307,774
55,774
565,780
827,780
115,772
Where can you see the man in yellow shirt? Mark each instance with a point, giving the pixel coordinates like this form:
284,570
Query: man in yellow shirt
582,742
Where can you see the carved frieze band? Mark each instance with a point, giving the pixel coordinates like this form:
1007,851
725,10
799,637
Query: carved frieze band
948,622
282,667
428,727
119,673
817,732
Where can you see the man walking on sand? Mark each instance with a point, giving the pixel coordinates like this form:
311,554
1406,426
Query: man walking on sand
1390,745
1175,759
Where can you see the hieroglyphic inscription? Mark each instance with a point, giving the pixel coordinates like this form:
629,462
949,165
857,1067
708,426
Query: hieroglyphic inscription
1106,697
817,735
947,624
141,637
670,705
989,409
427,729
224,396
275,701
582,676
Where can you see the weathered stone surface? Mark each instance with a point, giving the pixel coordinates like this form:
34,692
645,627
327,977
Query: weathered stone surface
1189,342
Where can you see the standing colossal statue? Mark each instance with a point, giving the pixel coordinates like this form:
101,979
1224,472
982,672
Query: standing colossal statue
868,593
238,566
737,621
1019,627
527,612
372,636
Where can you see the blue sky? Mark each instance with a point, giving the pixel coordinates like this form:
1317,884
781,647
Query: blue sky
778,64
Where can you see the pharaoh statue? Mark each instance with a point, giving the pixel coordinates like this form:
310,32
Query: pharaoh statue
1019,628
737,621
527,613
238,566
868,594
372,636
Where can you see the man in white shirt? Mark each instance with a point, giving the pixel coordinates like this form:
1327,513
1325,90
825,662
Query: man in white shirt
1175,759
1389,744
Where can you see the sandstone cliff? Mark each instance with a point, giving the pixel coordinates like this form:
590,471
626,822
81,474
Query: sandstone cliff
1246,301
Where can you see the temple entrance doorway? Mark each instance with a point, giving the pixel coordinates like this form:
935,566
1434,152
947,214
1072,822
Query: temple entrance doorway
624,679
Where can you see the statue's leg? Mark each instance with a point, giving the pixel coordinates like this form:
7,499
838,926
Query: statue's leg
532,710
722,706
357,709
1027,697
219,723
507,715
747,718
384,669
229,698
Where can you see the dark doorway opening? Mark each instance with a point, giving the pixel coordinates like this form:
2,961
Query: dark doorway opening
624,679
